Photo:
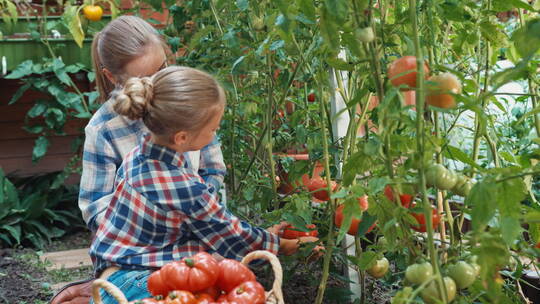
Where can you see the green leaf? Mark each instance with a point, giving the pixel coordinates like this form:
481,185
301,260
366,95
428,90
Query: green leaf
22,70
307,7
337,9
510,229
366,260
329,31
483,200
19,93
37,110
527,38
340,64
510,193
34,205
455,153
237,63
11,194
14,231
40,148
242,4
72,19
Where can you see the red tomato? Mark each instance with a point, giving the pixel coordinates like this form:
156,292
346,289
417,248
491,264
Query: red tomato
405,199
180,297
311,97
232,273
409,98
440,87
290,233
213,291
420,218
192,274
353,229
403,71
204,298
250,292
145,301
538,245
289,106
318,187
156,286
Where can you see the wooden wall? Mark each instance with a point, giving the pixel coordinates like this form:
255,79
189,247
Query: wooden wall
16,144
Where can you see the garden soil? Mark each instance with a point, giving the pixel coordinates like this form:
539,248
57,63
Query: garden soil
24,279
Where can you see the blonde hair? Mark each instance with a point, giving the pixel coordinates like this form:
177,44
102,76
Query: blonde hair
174,99
124,39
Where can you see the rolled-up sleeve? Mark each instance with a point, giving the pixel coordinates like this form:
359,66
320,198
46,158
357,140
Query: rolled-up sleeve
211,166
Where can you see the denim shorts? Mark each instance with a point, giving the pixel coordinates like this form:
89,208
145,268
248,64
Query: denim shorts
133,283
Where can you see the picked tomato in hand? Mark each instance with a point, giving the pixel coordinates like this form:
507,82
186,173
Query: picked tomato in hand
421,220
93,12
319,189
290,233
353,228
404,198
403,72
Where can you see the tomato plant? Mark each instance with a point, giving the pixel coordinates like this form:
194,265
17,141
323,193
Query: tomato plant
192,274
232,273
403,72
291,233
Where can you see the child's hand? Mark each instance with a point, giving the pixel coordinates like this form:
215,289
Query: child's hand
290,247
278,228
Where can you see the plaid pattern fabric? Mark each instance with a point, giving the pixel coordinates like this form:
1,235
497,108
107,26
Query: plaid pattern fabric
109,137
162,210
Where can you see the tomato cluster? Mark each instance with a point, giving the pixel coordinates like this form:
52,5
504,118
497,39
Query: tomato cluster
444,179
441,88
201,279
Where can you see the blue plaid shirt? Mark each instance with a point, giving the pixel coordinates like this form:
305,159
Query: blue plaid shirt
162,210
109,137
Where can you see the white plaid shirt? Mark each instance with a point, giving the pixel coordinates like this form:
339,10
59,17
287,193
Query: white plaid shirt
109,137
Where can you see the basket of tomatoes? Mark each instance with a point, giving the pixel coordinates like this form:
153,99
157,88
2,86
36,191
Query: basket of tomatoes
201,279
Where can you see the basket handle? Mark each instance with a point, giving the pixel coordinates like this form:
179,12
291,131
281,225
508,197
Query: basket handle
276,267
110,289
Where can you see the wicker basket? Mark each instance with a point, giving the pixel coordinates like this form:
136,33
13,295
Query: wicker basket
274,296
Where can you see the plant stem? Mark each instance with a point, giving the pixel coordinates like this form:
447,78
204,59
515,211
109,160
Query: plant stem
269,122
420,148
361,273
330,242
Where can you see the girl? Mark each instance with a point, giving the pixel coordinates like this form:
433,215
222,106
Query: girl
162,209
127,47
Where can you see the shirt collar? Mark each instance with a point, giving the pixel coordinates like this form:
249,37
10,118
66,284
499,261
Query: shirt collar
162,153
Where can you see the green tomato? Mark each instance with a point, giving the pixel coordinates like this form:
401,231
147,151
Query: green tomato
365,34
463,186
437,175
463,274
402,296
379,269
419,273
257,23
430,295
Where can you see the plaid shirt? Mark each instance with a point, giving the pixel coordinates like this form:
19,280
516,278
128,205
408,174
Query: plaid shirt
109,137
162,210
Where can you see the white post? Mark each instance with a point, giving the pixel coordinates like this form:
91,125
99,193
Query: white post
339,126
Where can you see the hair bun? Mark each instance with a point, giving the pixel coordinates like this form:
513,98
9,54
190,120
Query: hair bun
133,100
